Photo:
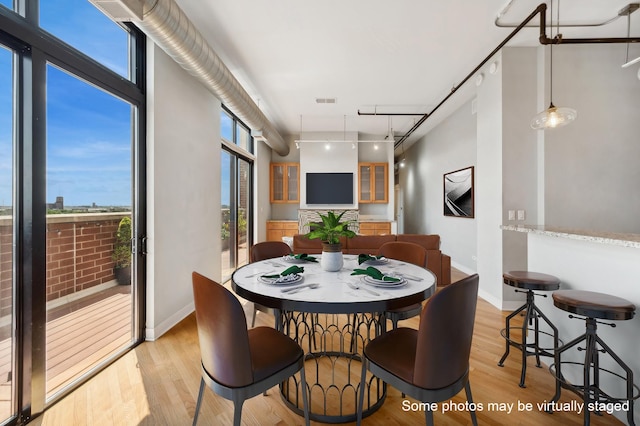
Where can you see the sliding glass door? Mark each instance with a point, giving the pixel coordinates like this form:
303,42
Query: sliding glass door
89,208
236,211
236,179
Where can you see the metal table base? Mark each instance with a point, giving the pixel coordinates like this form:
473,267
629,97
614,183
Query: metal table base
333,352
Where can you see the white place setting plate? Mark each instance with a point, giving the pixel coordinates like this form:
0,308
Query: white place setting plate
286,280
292,259
381,261
384,284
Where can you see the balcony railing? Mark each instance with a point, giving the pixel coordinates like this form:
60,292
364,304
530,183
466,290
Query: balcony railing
79,250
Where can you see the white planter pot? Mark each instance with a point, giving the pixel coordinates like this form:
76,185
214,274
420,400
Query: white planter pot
331,260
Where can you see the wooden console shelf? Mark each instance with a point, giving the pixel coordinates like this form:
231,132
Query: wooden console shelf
276,229
375,228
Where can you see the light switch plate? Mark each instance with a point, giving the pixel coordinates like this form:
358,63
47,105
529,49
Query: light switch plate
520,214
512,215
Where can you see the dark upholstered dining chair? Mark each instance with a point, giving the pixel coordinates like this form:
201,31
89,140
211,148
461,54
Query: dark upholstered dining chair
430,364
238,363
262,251
406,252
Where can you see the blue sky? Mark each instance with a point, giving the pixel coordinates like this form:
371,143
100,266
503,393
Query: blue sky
226,131
6,95
88,131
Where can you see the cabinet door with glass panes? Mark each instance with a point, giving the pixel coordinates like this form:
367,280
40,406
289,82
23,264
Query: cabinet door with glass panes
373,183
285,182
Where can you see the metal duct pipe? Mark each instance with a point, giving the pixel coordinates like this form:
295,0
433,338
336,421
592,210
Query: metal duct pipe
169,27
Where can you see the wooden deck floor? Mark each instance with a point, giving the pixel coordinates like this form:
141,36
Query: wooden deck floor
79,336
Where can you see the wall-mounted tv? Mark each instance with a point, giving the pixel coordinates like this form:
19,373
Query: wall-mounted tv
329,188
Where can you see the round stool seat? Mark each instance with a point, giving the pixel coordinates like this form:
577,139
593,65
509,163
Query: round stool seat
531,280
594,305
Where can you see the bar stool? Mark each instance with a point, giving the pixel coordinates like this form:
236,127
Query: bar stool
591,305
529,281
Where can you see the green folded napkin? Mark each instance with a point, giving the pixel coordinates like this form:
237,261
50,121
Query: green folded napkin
363,257
305,257
374,273
290,270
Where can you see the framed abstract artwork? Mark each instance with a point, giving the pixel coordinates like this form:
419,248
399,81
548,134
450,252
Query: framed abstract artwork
458,193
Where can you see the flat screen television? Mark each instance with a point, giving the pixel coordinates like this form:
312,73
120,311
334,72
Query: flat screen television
329,188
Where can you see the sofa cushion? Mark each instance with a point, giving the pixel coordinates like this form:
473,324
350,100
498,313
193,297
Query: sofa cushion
368,244
430,242
302,244
438,263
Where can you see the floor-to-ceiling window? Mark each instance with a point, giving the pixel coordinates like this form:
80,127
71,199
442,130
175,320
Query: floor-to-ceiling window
7,322
72,200
236,170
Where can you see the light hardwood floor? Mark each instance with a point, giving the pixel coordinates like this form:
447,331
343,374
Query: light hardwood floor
157,384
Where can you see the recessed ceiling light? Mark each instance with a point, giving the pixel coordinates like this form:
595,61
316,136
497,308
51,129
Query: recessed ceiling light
326,100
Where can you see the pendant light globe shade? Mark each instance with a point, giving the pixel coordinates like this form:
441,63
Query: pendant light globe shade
553,117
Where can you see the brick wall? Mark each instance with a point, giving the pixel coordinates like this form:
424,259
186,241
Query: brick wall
6,266
79,248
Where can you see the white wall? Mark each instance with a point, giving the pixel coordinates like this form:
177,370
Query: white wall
339,157
261,173
313,157
592,172
583,265
580,176
489,183
449,146
183,198
519,154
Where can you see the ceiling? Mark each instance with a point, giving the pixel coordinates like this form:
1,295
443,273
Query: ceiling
374,55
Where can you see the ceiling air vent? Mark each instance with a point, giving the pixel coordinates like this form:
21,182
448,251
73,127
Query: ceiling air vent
326,100
120,10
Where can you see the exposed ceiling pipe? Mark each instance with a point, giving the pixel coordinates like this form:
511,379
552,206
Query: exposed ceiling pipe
169,27
541,10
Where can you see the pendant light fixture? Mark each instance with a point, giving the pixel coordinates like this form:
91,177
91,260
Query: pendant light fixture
390,136
553,116
629,10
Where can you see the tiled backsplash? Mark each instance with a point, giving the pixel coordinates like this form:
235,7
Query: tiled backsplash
307,216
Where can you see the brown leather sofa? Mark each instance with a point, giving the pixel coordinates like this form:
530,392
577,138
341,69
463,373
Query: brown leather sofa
437,262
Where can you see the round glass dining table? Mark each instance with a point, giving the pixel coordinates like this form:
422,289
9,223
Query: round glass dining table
333,315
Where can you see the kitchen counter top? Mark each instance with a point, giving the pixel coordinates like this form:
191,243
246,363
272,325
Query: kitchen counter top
611,238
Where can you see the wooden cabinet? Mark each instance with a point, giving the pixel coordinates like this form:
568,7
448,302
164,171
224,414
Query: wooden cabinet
375,228
373,183
285,183
276,229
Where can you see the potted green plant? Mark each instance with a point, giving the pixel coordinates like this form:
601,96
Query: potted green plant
329,232
122,252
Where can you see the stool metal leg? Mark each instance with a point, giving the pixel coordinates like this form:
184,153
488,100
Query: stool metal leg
629,379
589,358
531,319
590,390
508,344
536,337
558,364
525,325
